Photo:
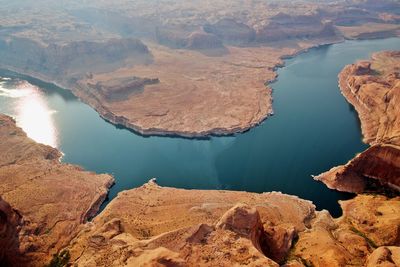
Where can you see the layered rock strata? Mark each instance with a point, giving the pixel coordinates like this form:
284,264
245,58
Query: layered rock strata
212,60
373,88
158,226
54,199
45,205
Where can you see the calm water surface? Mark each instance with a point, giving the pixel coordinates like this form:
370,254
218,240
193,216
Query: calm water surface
313,129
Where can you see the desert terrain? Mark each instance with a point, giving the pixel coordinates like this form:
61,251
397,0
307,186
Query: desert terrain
193,69
373,88
209,62
45,207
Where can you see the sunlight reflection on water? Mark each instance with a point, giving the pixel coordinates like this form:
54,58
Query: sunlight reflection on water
31,111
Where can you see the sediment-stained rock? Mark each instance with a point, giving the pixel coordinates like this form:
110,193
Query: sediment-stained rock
373,88
54,199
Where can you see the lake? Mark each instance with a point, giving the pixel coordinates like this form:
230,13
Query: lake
313,130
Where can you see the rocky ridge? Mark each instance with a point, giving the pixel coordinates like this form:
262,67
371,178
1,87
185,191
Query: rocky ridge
50,200
45,220
211,67
373,88
158,226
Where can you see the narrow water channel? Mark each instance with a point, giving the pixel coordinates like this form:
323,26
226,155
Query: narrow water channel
313,129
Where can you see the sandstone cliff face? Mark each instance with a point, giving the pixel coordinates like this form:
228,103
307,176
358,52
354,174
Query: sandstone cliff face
159,226
201,40
231,31
54,199
212,59
10,225
374,168
72,59
118,89
373,88
286,27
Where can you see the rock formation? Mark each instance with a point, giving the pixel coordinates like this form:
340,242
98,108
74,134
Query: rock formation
45,206
10,225
72,59
373,88
231,31
153,225
54,199
283,27
212,59
384,257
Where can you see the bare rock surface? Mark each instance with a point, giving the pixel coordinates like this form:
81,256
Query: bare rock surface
384,257
212,60
10,225
42,215
373,88
54,199
375,217
224,228
368,222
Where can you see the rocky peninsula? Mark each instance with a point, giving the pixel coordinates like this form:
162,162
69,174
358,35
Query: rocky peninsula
373,88
194,68
208,70
49,200
45,206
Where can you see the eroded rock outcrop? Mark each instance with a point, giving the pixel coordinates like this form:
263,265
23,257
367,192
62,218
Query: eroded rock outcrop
231,31
212,60
10,225
156,226
373,88
368,222
67,62
384,257
160,226
118,89
54,199
199,227
283,27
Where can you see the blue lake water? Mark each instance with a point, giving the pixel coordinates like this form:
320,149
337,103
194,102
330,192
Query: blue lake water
313,129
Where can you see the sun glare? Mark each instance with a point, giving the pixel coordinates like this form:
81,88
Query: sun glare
34,115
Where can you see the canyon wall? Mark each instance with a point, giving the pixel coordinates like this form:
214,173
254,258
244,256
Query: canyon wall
373,88
212,60
52,199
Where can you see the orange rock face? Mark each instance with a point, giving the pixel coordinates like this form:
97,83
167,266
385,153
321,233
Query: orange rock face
10,225
48,204
54,199
153,225
373,88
